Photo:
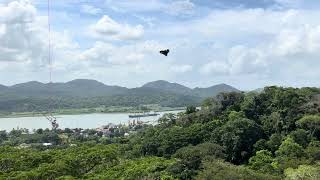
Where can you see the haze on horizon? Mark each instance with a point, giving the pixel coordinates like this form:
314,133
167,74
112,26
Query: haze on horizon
244,43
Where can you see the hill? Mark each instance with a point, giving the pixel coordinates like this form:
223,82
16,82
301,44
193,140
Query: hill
169,87
75,88
214,90
85,93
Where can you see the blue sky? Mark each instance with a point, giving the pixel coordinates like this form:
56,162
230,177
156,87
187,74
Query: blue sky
245,43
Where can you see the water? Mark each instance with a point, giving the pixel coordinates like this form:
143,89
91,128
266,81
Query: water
85,121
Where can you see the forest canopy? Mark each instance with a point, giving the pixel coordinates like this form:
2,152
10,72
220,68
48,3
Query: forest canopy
274,134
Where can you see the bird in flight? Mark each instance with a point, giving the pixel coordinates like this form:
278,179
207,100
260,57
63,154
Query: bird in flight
165,52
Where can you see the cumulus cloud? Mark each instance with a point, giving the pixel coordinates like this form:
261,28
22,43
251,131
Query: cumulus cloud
244,60
106,54
304,40
215,67
260,45
238,60
20,39
109,29
17,12
24,43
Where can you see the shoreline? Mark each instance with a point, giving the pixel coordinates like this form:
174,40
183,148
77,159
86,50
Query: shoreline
37,114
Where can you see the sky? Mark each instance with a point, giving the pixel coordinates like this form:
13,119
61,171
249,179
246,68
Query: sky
248,44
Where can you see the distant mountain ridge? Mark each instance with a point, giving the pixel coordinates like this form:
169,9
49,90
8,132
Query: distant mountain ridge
75,88
214,90
85,93
89,88
169,87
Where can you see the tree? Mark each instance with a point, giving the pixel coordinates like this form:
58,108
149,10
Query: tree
238,137
233,115
274,142
289,148
230,101
167,120
313,151
3,136
222,170
272,123
191,109
39,131
141,168
305,172
289,154
262,161
310,123
300,136
191,157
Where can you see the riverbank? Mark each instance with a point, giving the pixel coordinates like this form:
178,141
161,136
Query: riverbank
101,110
84,121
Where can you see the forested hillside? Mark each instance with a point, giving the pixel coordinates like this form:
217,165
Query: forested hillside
274,134
82,93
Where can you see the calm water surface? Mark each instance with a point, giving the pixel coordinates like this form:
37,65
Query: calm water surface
73,121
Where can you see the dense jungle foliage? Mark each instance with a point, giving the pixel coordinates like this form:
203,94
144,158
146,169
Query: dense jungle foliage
274,134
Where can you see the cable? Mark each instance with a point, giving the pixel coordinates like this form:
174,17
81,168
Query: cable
50,116
49,44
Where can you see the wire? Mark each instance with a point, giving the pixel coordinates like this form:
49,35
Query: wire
49,44
50,116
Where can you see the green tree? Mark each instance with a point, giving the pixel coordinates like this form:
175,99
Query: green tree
238,137
313,151
262,162
233,115
310,123
222,170
289,154
191,109
300,136
274,142
304,172
141,168
289,148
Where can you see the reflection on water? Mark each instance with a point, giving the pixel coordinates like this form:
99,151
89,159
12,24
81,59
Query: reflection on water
73,121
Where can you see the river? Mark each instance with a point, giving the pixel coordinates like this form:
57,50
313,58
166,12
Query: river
85,121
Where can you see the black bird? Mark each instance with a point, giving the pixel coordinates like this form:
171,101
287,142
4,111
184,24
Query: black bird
165,52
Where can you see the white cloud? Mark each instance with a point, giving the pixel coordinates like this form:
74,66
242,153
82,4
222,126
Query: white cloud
100,52
90,9
215,67
20,39
135,6
105,54
262,46
304,40
181,8
239,60
108,29
24,43
244,60
181,68
17,12
175,8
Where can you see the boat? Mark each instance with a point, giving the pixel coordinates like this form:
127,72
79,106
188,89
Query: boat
143,115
